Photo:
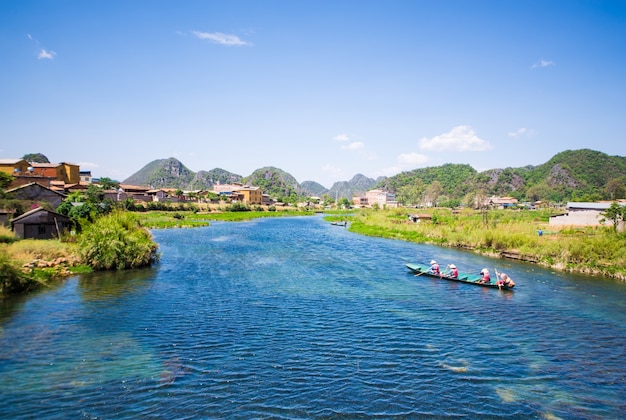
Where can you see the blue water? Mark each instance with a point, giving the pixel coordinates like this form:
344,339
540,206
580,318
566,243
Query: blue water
296,318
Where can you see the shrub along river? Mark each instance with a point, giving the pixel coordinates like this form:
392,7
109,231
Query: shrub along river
296,318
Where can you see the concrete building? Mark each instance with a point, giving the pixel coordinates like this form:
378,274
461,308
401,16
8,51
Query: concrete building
584,214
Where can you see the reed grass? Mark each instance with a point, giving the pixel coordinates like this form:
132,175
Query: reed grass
116,241
595,250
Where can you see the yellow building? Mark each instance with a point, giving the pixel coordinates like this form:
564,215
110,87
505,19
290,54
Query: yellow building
14,166
251,195
66,172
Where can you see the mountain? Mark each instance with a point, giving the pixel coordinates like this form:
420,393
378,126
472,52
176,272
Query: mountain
171,173
358,185
313,189
35,158
274,181
570,175
162,173
207,179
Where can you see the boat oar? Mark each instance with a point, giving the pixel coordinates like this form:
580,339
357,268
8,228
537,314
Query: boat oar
498,279
419,274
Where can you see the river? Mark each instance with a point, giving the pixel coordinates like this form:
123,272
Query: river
296,318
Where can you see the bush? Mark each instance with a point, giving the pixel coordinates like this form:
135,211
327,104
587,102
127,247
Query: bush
12,279
117,241
6,235
238,207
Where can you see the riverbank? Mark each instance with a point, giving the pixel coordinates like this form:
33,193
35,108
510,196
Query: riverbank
505,234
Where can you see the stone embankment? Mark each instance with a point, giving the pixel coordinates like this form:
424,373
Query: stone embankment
61,265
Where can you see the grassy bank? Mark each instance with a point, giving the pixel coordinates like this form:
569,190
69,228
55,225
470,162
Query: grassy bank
163,219
505,233
30,264
113,241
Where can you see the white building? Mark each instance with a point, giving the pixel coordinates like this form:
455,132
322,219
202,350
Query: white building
585,214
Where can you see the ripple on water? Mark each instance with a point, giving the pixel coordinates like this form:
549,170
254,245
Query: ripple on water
295,319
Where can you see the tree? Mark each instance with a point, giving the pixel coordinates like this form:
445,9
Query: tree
615,213
615,188
344,202
433,192
5,180
108,184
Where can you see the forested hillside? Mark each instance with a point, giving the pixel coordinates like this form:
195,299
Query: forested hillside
275,182
573,175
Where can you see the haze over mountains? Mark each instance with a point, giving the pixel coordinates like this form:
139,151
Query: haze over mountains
568,173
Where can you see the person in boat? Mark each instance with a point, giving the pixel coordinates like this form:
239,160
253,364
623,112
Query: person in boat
486,278
434,267
454,272
505,280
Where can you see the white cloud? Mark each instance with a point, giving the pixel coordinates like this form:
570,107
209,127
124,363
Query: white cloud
355,145
521,132
462,138
543,63
45,54
341,137
222,39
88,165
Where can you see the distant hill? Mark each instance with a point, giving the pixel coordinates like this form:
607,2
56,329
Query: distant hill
274,181
570,175
207,179
161,173
35,158
313,189
358,185
171,173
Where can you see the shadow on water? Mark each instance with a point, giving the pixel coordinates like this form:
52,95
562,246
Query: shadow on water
114,284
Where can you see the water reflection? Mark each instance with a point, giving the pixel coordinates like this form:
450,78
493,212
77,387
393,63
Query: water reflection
114,284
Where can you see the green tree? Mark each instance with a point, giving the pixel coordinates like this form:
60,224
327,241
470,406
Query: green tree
615,188
5,180
344,202
108,184
615,213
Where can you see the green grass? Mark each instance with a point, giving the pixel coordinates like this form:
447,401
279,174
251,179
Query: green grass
162,219
596,250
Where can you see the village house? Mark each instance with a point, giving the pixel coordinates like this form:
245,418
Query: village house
418,218
359,201
69,173
40,223
585,214
57,176
501,202
158,194
85,177
36,192
240,192
14,166
381,197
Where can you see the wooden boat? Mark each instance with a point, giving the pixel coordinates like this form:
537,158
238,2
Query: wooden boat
424,270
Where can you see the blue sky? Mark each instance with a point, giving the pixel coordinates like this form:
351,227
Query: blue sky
321,89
